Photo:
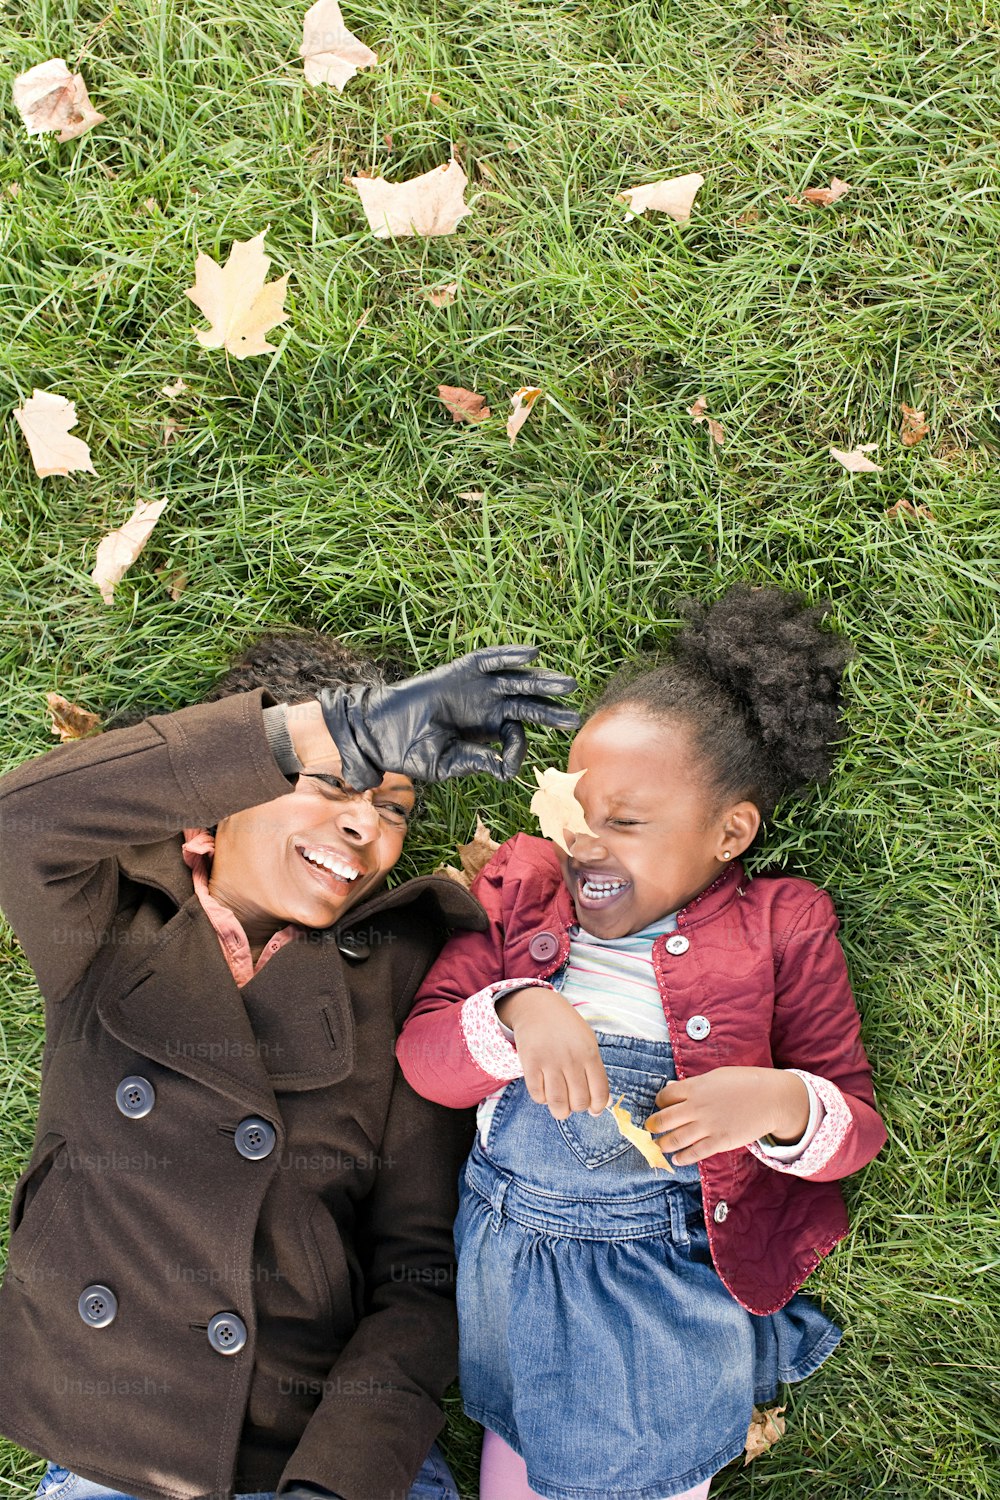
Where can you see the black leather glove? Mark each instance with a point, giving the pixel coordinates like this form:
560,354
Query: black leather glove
439,724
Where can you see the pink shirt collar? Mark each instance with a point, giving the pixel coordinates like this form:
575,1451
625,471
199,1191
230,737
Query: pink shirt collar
198,849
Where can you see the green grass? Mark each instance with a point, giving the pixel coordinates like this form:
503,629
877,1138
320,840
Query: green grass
321,485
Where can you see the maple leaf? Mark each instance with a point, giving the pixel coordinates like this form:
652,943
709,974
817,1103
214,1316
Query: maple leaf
45,420
673,195
465,406
522,401
332,53
555,805
474,856
914,426
119,549
824,196
855,461
638,1135
50,97
69,720
430,204
697,414
234,299
766,1427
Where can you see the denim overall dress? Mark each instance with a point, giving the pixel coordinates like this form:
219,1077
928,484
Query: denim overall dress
596,1337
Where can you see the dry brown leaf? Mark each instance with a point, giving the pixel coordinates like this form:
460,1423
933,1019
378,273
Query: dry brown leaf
855,461
914,426
905,507
824,196
638,1135
175,581
697,414
674,196
119,549
430,204
14,190
69,720
175,389
522,401
450,873
443,296
171,430
555,805
474,856
436,100
766,1427
150,205
45,420
234,299
475,495
332,54
50,97
465,406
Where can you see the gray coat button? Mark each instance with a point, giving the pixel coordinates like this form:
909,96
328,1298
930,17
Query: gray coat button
98,1305
698,1028
135,1096
254,1138
227,1333
721,1213
677,943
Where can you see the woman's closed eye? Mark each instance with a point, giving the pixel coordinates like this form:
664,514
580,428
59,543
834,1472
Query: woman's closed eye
396,814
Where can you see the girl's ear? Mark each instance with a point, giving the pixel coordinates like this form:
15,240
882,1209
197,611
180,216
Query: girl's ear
740,826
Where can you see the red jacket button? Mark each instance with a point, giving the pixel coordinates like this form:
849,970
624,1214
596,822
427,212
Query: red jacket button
543,946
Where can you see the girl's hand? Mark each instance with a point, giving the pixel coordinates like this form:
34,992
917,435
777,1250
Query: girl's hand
727,1108
558,1052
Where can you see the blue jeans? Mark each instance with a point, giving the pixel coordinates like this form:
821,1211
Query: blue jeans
434,1482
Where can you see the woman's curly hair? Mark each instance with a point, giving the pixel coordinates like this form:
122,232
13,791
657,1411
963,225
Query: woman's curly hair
757,683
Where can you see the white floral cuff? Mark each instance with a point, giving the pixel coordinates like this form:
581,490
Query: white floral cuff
484,1032
829,1121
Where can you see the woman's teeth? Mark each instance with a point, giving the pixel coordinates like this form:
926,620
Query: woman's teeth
329,863
601,890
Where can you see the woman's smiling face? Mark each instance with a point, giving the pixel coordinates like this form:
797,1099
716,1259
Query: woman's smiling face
656,839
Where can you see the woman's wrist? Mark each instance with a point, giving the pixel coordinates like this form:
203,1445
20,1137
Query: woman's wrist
310,737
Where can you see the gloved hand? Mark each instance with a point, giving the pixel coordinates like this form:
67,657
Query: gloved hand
433,726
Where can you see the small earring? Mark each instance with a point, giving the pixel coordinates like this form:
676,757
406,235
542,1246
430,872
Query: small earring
727,853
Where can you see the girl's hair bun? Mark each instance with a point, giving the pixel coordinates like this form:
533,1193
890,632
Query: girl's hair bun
765,649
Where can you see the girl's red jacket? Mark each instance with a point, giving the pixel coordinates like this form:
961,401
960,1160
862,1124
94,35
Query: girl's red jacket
763,964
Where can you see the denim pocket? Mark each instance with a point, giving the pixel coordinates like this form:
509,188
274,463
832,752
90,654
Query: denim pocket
597,1141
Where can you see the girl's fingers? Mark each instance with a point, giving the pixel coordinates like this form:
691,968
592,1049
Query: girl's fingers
556,1095
600,1094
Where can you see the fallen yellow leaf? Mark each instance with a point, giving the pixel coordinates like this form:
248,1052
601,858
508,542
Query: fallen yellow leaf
465,406
119,549
175,580
443,296
914,425
824,196
673,195
332,54
855,461
175,389
697,413
474,856
45,420
69,720
522,401
50,97
555,805
430,204
234,299
638,1135
766,1427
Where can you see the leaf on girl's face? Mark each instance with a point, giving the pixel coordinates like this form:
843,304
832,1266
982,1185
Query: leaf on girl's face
119,549
673,195
856,461
638,1135
45,420
50,97
522,402
465,406
69,720
555,805
914,427
234,299
430,204
766,1427
332,54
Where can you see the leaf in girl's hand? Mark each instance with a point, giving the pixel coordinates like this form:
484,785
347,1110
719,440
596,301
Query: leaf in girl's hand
332,53
555,805
430,204
234,299
69,720
522,401
856,461
45,420
766,1427
464,405
50,97
638,1135
673,195
119,549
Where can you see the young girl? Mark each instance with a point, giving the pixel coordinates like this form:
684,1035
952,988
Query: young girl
619,1321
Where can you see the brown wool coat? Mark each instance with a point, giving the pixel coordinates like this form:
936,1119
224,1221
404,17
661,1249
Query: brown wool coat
335,1249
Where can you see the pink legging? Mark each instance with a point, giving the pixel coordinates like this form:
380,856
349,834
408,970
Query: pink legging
503,1475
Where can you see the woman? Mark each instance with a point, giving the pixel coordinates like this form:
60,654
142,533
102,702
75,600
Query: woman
231,1261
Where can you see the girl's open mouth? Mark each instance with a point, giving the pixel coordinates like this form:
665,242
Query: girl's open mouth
595,892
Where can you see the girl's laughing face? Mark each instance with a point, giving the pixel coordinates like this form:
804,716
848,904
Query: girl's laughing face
656,840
